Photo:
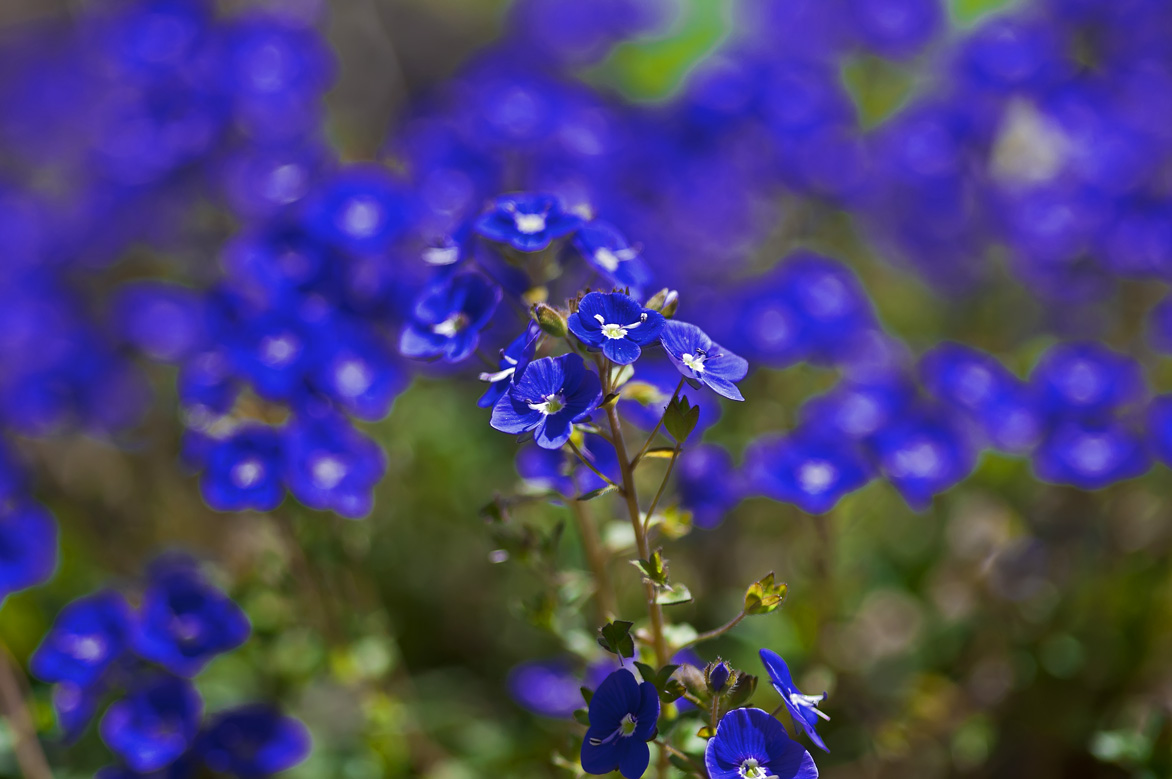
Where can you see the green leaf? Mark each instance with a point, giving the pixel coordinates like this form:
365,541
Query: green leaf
764,596
673,595
646,671
706,732
674,523
582,716
624,374
615,637
655,569
672,690
879,88
606,489
741,690
680,418
587,694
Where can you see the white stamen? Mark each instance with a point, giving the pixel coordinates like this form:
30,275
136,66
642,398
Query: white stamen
694,361
441,255
625,729
498,376
614,332
551,405
808,702
451,326
751,769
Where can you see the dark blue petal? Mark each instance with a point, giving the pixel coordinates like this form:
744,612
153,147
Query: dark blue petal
621,351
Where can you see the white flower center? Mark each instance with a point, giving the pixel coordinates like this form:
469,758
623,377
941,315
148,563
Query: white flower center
88,649
816,476
1093,454
452,325
529,223
615,331
628,725
327,472
361,217
694,361
247,472
551,405
441,255
919,460
353,378
607,260
752,769
277,351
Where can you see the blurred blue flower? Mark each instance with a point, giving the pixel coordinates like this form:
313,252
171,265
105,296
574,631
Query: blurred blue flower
154,724
1159,428
923,454
701,361
87,636
609,253
244,470
810,471
1091,455
165,321
803,708
856,410
331,466
76,706
28,546
1087,380
749,743
708,483
272,351
527,221
549,688
895,28
514,358
361,208
548,398
623,718
184,621
355,368
253,742
560,471
448,318
616,324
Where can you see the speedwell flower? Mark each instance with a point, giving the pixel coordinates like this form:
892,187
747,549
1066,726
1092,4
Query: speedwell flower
514,358
253,741
548,398
803,708
527,221
448,318
155,724
88,635
609,253
623,716
701,361
750,744
616,324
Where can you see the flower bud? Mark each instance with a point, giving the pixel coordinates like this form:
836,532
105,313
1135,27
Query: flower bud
550,320
666,301
716,675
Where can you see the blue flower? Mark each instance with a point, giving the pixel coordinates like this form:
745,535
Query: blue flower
28,546
1159,426
514,358
616,324
623,717
1090,455
1087,380
154,724
895,28
331,466
548,398
448,318
644,399
184,622
88,635
810,471
165,321
273,351
243,471
253,742
549,688
709,485
856,410
701,361
528,222
362,209
354,368
76,706
924,453
750,744
803,708
207,382
607,251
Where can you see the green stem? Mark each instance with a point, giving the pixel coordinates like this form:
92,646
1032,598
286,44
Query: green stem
655,503
716,632
590,465
654,430
604,596
30,758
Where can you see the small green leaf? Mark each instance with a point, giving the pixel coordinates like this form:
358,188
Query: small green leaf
660,453
622,376
646,671
615,637
587,694
655,569
550,320
582,716
673,595
605,489
742,690
706,732
764,596
672,690
678,419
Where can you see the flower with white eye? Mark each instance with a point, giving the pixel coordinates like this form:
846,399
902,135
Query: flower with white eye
616,324
702,361
527,221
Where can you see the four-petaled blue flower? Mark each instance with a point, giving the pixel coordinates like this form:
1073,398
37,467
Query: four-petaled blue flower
803,708
331,466
528,222
154,724
244,471
702,361
514,358
88,635
750,744
609,253
253,742
623,717
184,621
616,324
448,318
810,471
28,546
548,398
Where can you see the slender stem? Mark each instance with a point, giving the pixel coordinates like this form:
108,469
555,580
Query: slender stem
29,755
668,748
590,465
716,632
655,503
604,597
654,430
654,610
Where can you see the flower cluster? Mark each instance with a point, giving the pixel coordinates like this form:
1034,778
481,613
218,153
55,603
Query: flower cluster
137,665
